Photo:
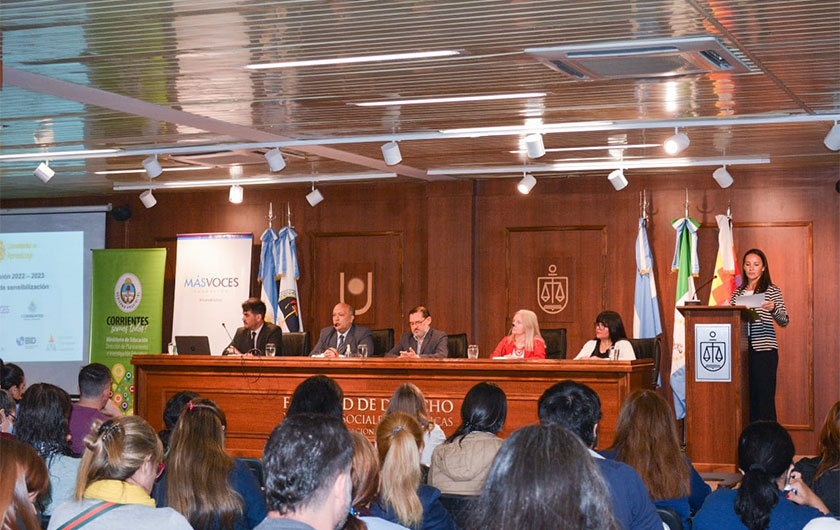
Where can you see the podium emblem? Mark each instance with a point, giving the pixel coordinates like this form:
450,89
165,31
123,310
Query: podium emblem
357,287
713,352
713,355
552,291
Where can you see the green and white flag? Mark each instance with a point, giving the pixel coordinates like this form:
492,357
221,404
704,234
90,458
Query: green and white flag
687,265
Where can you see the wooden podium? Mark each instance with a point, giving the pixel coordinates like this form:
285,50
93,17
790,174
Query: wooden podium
716,410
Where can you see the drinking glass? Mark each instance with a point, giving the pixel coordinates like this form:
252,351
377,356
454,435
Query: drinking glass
363,351
472,351
271,350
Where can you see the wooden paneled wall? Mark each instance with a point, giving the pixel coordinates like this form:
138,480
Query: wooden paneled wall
474,253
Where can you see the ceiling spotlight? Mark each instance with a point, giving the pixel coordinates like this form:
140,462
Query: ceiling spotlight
677,143
314,197
275,160
617,179
526,184
534,144
43,172
722,177
148,199
236,194
391,154
832,139
152,167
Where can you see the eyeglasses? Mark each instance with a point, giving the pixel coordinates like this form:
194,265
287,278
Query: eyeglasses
600,325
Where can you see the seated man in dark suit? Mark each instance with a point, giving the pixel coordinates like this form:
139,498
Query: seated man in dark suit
344,335
256,333
576,407
422,341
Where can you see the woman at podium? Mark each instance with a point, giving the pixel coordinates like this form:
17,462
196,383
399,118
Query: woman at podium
610,342
763,348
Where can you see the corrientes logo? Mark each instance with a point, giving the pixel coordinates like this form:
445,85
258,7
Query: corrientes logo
128,292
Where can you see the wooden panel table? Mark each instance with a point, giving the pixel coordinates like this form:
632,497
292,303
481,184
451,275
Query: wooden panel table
255,392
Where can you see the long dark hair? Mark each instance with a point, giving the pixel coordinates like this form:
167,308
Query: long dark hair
764,280
10,375
543,477
765,453
829,445
43,420
613,322
484,410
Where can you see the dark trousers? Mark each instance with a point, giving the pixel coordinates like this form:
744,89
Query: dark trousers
763,366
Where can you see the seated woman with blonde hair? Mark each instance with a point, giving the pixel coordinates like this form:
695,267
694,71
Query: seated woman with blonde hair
610,342
23,478
402,499
409,399
121,460
524,340
365,475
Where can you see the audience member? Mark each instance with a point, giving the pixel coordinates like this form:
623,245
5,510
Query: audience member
765,457
307,468
524,340
121,460
402,499
576,407
610,342
422,340
344,335
8,411
318,394
94,404
409,399
646,439
171,413
23,478
543,477
13,380
365,475
460,465
43,422
202,482
822,474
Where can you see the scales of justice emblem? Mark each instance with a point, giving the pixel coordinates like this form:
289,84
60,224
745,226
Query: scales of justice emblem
552,291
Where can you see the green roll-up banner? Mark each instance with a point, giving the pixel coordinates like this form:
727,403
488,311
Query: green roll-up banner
126,313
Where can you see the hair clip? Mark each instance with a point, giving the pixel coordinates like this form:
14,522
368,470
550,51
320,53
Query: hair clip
191,405
353,512
108,428
757,467
397,429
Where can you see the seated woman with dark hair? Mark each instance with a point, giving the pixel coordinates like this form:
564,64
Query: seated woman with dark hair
171,413
8,413
822,473
460,465
23,478
610,342
402,499
765,457
202,482
646,439
543,477
121,460
43,422
318,394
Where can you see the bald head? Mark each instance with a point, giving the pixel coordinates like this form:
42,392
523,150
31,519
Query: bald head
342,317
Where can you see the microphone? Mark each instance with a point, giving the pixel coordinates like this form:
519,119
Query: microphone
694,300
231,338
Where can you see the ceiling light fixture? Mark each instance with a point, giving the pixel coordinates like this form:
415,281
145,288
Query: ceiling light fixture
236,194
617,179
722,177
148,199
677,143
453,99
165,170
534,145
152,166
359,59
314,197
44,172
832,139
275,160
391,153
526,184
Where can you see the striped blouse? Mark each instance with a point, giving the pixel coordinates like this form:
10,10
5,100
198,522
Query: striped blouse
761,332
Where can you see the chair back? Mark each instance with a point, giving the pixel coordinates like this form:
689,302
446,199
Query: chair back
649,349
296,343
555,343
670,518
458,346
457,506
255,465
383,341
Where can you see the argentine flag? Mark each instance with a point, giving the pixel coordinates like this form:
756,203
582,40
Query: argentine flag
646,321
268,273
687,265
288,300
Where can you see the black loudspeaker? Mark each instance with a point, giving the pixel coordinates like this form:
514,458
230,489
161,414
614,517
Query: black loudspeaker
121,213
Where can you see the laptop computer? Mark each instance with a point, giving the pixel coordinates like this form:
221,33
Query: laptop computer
192,345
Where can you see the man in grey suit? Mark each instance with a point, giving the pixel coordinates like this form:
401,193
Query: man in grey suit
422,341
334,340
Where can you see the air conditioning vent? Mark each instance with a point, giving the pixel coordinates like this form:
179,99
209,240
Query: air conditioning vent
640,58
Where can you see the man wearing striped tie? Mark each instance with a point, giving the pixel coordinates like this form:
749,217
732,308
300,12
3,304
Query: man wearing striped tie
344,334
